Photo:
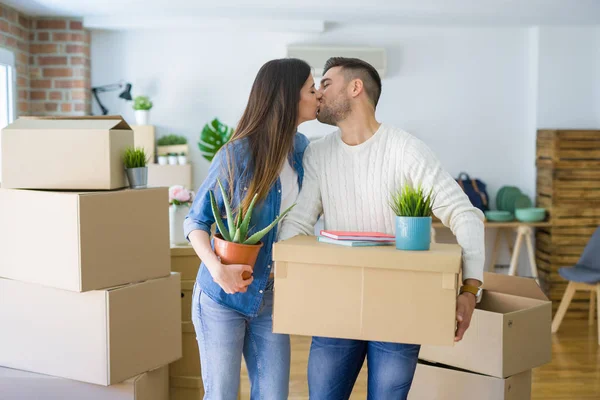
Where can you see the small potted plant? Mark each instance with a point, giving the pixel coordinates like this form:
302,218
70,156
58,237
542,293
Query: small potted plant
172,159
136,160
171,144
413,209
182,159
180,200
163,160
232,243
142,106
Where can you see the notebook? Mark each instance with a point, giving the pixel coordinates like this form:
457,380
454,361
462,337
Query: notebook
354,243
359,236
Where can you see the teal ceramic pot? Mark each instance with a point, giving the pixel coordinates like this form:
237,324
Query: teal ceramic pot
413,233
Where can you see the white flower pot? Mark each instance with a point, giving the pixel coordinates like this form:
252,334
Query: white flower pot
163,160
177,215
142,117
182,160
172,160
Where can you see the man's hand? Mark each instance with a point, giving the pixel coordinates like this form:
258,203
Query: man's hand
465,304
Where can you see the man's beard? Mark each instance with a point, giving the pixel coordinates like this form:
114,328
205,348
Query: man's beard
336,112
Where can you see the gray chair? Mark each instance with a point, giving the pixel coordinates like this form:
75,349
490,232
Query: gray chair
585,275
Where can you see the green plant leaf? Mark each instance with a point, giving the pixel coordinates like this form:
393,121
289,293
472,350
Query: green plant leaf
230,220
236,237
135,157
411,202
213,136
218,219
142,103
259,235
247,217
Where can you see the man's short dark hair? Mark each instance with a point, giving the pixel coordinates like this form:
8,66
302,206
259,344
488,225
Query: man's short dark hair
354,68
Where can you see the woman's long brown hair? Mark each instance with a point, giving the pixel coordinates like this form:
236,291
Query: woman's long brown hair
269,123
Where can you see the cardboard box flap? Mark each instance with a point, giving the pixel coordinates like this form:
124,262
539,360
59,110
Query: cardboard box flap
514,285
67,123
306,249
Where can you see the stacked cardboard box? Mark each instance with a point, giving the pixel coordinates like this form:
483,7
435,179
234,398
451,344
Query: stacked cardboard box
509,335
87,300
184,374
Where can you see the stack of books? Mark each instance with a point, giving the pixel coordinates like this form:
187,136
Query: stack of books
357,239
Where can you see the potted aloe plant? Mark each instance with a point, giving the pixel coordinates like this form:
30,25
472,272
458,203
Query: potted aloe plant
136,160
413,209
232,243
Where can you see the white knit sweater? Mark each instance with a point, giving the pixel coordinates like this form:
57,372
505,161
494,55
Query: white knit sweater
351,186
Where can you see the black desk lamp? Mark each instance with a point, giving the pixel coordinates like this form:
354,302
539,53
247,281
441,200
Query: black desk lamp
125,94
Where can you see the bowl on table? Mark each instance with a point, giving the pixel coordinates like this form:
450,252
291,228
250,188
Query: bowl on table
531,214
499,216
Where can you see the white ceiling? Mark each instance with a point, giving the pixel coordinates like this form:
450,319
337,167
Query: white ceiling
479,12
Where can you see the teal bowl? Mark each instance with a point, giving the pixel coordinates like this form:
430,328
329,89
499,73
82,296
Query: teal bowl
530,214
499,216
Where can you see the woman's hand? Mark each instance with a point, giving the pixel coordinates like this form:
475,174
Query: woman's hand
229,277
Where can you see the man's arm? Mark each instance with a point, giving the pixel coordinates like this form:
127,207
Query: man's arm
302,219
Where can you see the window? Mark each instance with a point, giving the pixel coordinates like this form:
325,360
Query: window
8,80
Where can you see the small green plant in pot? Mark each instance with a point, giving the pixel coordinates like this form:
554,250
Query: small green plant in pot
413,209
142,106
232,243
136,160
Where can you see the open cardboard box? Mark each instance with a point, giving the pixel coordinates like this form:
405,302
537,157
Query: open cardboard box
71,153
509,331
437,382
84,241
369,293
102,337
22,385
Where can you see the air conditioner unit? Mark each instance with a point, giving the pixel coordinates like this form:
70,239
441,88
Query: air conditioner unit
316,56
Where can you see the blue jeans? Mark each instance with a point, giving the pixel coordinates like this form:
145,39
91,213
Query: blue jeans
224,335
334,365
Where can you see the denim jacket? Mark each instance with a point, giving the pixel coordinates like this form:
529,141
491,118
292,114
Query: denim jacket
201,217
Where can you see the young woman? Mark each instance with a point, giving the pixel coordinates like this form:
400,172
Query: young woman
232,316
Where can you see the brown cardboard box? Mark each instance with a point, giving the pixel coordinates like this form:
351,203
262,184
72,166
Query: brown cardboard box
84,241
187,287
144,136
186,388
509,331
433,382
75,153
169,175
366,293
102,337
21,385
189,363
185,261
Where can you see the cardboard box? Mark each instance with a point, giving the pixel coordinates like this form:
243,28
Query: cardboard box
84,241
169,175
74,153
366,293
187,287
189,363
185,261
21,385
102,337
144,136
186,388
509,331
433,382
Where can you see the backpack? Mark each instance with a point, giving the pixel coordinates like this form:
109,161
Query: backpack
475,190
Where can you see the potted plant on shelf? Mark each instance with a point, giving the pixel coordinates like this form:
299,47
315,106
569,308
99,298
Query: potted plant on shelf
182,159
136,160
413,209
172,159
232,243
163,160
171,144
142,106
214,135
180,200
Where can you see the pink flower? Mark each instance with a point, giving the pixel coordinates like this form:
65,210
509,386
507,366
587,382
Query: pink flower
178,194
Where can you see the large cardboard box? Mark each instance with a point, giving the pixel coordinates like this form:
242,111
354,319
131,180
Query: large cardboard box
21,385
186,388
185,261
432,382
102,337
509,331
367,293
84,241
187,288
144,136
74,153
169,175
189,363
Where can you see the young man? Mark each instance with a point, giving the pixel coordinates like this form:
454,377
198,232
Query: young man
349,176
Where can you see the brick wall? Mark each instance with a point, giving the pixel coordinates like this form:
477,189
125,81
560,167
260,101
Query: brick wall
53,63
